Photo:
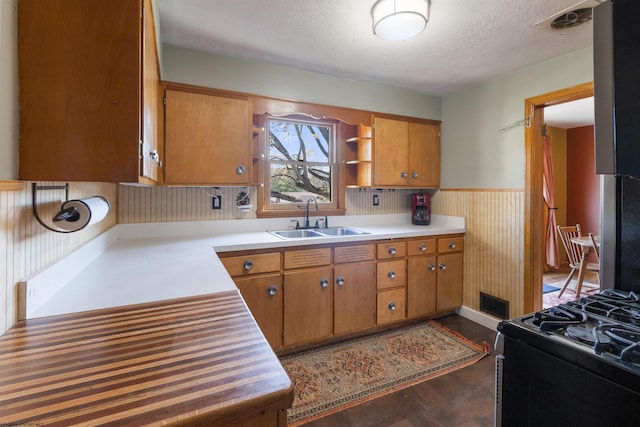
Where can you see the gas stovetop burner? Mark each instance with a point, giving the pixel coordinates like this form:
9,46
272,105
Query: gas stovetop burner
587,336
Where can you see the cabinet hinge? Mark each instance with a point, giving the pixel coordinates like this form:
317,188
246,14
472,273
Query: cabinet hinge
164,101
141,144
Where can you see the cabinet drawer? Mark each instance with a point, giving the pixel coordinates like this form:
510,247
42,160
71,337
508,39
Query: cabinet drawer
452,244
252,264
391,274
392,250
390,306
307,258
421,246
342,254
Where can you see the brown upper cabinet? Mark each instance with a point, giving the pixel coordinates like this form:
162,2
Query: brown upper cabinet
88,75
208,138
405,154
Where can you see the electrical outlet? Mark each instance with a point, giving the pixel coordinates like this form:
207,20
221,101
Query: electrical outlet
376,200
216,202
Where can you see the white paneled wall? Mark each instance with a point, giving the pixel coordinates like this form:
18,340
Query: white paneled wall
170,204
494,243
26,247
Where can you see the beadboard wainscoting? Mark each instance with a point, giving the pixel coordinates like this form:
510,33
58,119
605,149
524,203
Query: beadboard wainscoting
26,247
170,204
494,243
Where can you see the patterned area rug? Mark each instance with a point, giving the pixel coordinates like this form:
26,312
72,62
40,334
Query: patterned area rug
335,377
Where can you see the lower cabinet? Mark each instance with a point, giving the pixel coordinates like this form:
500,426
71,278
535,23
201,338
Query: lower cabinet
421,285
449,281
391,305
449,273
308,299
264,297
354,297
308,294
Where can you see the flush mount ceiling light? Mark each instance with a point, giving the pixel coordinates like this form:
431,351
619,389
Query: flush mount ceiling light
399,19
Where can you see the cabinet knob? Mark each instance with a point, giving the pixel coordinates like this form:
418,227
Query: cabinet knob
324,282
431,267
240,170
340,281
391,274
442,267
248,265
392,250
392,306
403,175
272,290
451,245
422,247
414,175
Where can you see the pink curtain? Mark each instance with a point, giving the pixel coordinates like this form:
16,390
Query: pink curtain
551,241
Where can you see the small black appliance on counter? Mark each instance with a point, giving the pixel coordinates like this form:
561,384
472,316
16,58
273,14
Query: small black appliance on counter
420,209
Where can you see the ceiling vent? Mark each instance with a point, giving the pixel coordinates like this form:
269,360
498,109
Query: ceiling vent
571,17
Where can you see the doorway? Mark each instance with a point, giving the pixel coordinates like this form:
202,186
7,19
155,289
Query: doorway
534,252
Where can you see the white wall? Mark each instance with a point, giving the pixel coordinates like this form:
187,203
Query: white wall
8,89
260,78
474,153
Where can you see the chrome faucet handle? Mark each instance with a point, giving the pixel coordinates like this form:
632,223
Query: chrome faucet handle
297,223
318,222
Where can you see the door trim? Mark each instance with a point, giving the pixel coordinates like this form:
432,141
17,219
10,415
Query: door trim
534,253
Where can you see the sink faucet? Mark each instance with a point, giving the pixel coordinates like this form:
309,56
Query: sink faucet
306,219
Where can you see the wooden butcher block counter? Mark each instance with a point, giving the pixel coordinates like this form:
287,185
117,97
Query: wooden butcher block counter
191,361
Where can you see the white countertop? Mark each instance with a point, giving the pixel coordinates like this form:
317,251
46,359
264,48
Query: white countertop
137,263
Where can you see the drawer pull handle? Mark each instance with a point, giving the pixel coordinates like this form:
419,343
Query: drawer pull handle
414,175
340,281
442,267
391,274
403,175
452,245
392,250
392,306
272,290
240,169
324,282
248,265
431,267
422,247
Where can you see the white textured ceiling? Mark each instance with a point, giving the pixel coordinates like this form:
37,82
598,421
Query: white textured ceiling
465,42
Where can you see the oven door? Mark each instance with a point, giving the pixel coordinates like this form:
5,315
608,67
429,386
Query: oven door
538,388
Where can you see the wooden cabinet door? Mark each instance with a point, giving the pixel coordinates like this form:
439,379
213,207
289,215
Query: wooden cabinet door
390,152
80,89
208,139
449,281
424,155
354,297
151,148
421,285
264,297
308,298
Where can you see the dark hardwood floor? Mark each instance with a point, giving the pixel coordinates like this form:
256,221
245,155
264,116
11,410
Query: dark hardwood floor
461,398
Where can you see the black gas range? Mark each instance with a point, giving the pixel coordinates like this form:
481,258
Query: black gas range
575,364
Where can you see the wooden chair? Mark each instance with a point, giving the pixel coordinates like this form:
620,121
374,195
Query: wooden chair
574,255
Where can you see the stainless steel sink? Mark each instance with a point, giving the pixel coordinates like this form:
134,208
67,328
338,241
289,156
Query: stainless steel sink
296,234
317,232
341,231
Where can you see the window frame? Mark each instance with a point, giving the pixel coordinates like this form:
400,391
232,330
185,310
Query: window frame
332,162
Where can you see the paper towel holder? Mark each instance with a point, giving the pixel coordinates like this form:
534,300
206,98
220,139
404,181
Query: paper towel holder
64,214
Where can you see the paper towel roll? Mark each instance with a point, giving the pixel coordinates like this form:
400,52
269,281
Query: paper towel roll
89,211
